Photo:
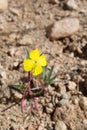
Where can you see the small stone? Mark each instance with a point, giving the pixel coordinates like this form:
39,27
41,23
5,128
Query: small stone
85,121
63,102
18,95
15,11
3,74
74,48
3,5
12,51
17,52
41,127
75,101
50,105
26,40
71,5
49,110
63,28
15,64
61,88
71,85
65,96
60,125
83,103
13,37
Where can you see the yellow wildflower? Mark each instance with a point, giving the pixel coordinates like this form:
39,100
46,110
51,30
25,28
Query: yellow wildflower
35,62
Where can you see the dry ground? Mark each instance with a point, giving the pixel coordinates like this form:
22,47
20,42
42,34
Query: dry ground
23,26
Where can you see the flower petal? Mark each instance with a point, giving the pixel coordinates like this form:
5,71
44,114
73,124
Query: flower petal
42,60
37,70
28,65
34,54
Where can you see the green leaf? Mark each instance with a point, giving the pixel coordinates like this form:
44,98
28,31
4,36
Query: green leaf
50,72
27,54
20,87
44,73
47,76
17,87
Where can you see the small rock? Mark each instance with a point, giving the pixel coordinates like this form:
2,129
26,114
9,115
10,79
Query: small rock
83,103
15,64
71,85
85,121
71,5
61,88
15,11
12,51
74,48
60,125
65,96
50,105
3,74
53,1
49,110
64,100
3,5
13,37
41,127
64,113
17,95
75,101
17,52
26,40
63,28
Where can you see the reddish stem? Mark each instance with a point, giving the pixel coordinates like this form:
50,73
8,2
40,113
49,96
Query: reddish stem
42,84
29,89
30,92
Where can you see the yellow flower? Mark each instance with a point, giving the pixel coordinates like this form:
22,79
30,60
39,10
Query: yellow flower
35,62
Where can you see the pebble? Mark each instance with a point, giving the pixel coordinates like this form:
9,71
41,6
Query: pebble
49,110
63,28
64,100
17,95
3,74
61,88
71,85
83,103
60,125
3,5
26,40
15,11
17,52
50,105
75,101
71,5
41,127
15,64
65,96
85,121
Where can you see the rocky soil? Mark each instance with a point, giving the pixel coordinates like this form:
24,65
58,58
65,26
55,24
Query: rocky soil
59,29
